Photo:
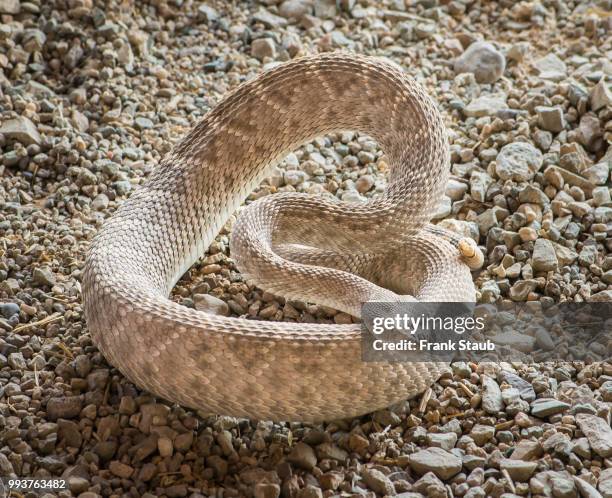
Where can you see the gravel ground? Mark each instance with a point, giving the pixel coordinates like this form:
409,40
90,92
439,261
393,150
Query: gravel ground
93,93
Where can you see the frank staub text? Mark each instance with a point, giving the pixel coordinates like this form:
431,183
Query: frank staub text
404,332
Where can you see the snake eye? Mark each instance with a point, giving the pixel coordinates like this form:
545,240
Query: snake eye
471,253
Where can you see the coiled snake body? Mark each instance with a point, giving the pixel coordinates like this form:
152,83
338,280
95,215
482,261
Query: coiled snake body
300,246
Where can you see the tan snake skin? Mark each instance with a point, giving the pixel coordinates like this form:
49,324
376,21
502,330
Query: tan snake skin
296,245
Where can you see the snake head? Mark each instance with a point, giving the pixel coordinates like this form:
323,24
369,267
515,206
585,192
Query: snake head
471,253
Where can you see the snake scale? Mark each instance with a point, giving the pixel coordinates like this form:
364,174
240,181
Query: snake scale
301,246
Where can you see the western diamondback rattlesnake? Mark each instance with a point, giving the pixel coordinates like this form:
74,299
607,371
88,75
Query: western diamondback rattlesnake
296,245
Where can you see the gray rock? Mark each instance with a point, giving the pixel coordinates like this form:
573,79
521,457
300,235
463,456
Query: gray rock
518,161
551,118
550,67
585,489
64,407
7,310
479,184
544,340
544,257
492,401
455,189
525,388
425,30
294,177
446,440
22,130
442,463
207,13
483,60
519,470
603,214
295,9
378,482
601,96
332,452
303,456
310,491
588,255
143,123
565,255
533,195
269,20
80,121
597,431
581,447
605,483
486,105
443,210
490,291
210,304
543,139
100,202
10,7
17,362
518,51
262,48
70,432
487,220
482,434
44,276
601,195
543,408
364,183
266,490
325,9
465,228
511,395
79,485
353,196
122,187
